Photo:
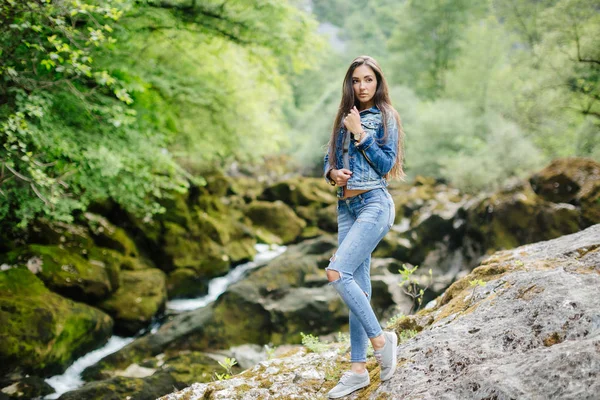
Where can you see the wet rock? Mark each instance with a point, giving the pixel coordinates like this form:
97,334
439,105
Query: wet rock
27,388
42,331
184,283
141,296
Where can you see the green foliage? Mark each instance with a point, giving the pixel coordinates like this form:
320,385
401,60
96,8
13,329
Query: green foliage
313,343
227,364
68,136
413,286
270,351
108,100
406,334
392,321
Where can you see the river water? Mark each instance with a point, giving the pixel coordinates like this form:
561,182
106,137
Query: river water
71,378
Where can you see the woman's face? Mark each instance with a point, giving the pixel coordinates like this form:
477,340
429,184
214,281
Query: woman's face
364,83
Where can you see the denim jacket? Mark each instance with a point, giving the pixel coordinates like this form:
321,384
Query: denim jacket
370,159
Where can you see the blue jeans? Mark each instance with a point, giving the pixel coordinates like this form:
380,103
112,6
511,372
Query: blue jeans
363,220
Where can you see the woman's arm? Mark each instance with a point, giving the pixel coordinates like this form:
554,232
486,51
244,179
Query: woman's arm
381,157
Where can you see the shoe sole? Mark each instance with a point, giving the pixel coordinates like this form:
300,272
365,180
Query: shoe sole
394,359
348,391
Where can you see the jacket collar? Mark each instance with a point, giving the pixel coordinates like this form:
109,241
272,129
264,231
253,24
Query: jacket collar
373,110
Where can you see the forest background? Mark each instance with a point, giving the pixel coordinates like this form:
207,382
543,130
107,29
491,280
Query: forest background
132,100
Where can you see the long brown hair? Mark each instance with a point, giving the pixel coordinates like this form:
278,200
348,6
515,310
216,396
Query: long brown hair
381,100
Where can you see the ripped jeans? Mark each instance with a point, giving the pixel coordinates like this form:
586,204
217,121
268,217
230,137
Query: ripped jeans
363,220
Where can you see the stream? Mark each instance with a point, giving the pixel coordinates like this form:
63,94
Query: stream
71,378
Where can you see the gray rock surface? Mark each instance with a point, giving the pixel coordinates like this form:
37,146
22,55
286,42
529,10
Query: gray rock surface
531,330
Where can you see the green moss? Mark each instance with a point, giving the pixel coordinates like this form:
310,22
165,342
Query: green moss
110,236
142,295
66,272
190,367
277,218
42,331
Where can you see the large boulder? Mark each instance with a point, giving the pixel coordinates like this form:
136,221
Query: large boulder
515,216
563,179
140,297
280,222
524,324
41,331
65,271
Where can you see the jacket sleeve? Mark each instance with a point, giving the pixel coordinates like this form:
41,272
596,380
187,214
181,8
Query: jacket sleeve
326,169
381,156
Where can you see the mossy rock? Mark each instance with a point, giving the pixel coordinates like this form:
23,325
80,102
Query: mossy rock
176,371
142,295
192,366
241,249
561,181
65,272
27,388
277,218
510,218
186,250
110,236
42,331
300,192
120,387
327,218
70,236
110,260
184,282
589,201
238,318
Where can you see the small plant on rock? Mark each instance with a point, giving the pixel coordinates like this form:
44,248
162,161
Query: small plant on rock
474,283
227,364
313,343
412,286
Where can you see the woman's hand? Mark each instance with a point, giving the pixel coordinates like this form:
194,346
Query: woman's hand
352,121
340,176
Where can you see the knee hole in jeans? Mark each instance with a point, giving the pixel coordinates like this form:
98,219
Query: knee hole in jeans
333,275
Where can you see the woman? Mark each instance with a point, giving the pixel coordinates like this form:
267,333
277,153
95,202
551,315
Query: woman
364,152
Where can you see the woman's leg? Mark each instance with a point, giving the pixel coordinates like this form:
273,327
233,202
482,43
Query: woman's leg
358,336
372,223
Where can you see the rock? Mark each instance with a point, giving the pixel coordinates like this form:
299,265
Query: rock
528,328
69,236
27,388
561,181
142,295
65,272
300,192
515,216
119,388
41,331
588,199
184,283
277,219
110,236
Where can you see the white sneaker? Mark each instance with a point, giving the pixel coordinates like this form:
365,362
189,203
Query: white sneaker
349,383
386,357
